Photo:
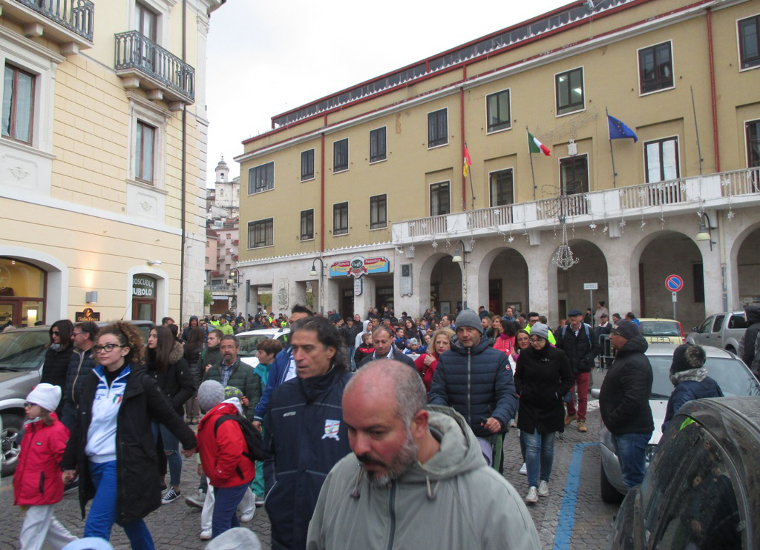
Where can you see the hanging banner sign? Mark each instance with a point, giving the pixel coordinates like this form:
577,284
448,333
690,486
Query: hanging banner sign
359,266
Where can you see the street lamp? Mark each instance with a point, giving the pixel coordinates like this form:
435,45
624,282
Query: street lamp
705,230
460,249
234,283
313,273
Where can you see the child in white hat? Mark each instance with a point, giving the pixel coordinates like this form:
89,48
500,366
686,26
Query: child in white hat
37,483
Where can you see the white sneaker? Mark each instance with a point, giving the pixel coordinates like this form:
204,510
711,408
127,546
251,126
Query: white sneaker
524,469
206,534
543,488
532,496
247,516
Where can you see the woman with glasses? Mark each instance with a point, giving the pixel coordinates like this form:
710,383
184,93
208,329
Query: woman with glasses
112,445
542,378
164,358
57,357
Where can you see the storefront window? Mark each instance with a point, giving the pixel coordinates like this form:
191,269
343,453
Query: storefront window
22,293
144,298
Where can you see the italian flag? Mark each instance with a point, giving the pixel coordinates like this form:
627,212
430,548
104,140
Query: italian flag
536,146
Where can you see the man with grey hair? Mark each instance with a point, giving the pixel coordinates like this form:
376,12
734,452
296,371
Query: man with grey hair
382,340
426,463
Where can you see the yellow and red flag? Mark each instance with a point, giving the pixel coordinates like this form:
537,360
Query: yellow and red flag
467,161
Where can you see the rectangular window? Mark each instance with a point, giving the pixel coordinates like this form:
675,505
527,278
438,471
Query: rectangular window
378,212
340,155
260,233
497,107
661,159
569,86
307,165
147,22
438,132
307,225
502,188
753,143
440,201
656,68
377,145
749,42
574,175
261,178
340,218
18,104
144,150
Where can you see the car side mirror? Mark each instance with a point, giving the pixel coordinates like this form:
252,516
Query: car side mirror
695,329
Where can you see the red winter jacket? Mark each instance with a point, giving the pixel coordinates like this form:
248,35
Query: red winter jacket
222,455
37,480
425,371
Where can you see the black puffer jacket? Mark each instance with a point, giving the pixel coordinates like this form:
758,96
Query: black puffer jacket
56,366
477,383
542,378
581,350
138,492
624,397
80,366
750,336
177,383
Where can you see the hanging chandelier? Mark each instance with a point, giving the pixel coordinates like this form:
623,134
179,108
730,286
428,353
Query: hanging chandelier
563,258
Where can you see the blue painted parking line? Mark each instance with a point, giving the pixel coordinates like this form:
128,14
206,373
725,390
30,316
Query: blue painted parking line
564,533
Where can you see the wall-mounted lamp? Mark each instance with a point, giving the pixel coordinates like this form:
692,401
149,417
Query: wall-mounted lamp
460,248
154,262
705,230
91,297
314,273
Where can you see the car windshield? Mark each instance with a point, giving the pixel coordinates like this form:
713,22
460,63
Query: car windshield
248,343
731,375
660,328
22,350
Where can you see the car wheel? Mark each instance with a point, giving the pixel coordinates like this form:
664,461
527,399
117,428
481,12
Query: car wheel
12,425
610,495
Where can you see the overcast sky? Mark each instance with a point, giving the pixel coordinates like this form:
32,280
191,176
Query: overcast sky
265,58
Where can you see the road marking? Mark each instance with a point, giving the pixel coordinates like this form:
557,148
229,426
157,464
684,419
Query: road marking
564,533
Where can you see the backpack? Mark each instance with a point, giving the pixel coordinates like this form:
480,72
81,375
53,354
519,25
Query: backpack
254,444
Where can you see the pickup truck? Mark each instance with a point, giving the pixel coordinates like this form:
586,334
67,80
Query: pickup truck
722,330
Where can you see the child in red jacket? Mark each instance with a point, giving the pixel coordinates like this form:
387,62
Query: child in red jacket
37,483
229,472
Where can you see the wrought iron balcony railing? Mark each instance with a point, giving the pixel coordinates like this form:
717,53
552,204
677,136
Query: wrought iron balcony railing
164,70
75,16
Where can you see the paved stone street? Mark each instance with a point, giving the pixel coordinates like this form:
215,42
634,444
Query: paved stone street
573,516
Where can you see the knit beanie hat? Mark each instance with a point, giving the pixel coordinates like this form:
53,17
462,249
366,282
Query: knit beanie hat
468,318
210,394
540,329
46,396
688,357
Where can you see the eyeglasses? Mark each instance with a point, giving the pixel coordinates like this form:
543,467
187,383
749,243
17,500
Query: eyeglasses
535,339
108,348
77,333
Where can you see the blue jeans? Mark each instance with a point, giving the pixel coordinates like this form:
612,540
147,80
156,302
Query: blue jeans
631,452
102,514
225,508
539,455
171,448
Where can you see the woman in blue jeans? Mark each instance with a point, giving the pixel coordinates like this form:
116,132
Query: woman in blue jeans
542,378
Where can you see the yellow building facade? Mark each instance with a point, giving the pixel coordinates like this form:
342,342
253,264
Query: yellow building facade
375,172
102,159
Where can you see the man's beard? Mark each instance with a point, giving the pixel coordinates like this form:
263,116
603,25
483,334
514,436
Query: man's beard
405,457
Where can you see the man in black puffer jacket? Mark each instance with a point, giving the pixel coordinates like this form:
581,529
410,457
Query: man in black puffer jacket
750,341
82,362
476,380
624,401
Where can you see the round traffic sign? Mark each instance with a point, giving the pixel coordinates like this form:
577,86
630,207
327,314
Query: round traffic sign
674,283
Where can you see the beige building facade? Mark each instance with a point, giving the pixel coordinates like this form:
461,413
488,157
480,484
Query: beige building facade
103,159
367,185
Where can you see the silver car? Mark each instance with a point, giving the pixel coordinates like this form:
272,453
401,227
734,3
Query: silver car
733,376
250,339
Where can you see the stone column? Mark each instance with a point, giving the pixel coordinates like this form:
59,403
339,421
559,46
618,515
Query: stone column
366,300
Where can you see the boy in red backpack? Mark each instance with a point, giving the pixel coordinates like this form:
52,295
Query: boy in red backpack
38,482
221,448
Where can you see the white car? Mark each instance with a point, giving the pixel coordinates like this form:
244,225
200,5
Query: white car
731,374
250,339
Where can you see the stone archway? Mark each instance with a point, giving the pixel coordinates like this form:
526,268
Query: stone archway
504,273
442,279
570,283
746,259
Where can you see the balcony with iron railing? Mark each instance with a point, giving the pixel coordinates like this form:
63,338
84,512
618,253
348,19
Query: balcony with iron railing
735,189
141,63
67,22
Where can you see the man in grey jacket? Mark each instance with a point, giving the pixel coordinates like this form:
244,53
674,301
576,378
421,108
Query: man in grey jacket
415,463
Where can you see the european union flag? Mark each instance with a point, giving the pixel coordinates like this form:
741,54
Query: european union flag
618,129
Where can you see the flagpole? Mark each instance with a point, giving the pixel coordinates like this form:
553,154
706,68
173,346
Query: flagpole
696,127
472,189
612,154
532,173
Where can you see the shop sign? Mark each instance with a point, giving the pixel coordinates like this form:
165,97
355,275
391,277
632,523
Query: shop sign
359,266
87,315
144,287
358,286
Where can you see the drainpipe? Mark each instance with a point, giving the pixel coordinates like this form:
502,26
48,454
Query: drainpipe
461,124
184,166
712,90
320,297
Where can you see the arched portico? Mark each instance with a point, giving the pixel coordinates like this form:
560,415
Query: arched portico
569,288
744,261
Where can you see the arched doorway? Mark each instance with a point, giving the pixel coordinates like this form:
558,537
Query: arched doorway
22,293
591,269
508,282
446,286
748,268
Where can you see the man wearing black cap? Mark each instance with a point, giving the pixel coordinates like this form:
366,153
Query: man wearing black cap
624,401
578,342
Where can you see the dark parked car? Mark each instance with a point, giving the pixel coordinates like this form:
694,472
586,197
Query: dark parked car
22,352
702,489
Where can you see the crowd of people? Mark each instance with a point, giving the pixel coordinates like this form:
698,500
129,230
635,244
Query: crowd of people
341,415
